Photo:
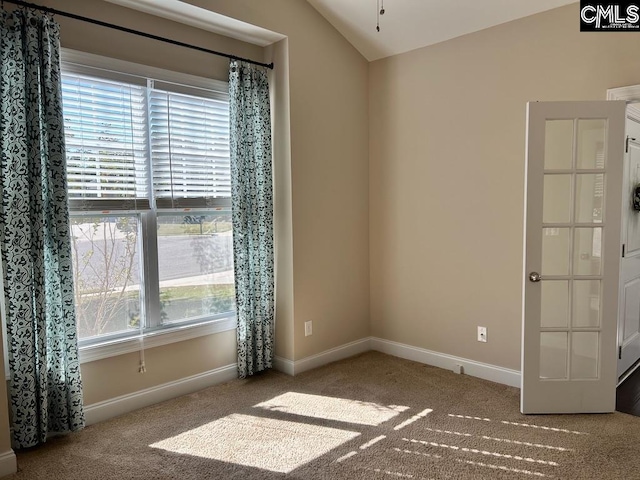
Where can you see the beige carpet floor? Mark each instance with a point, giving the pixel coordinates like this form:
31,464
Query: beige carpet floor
369,417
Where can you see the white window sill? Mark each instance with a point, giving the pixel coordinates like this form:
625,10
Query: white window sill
113,348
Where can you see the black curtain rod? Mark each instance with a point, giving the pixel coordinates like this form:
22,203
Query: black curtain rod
133,32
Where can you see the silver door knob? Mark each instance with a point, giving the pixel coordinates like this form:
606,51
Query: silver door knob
534,277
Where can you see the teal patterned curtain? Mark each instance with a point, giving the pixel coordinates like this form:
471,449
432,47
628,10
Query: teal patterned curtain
252,204
45,390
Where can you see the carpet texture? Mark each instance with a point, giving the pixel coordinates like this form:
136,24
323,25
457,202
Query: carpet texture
369,417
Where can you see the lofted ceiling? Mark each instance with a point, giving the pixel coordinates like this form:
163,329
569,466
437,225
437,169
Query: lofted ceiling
410,24
406,24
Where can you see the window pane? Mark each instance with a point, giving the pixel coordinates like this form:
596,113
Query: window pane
189,146
106,267
195,264
124,138
105,137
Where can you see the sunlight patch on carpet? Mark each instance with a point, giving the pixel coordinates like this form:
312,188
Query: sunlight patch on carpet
467,417
372,442
542,427
483,452
497,439
502,467
389,472
413,419
329,408
264,443
414,452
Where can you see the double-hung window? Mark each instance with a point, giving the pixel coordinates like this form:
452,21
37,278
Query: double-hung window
149,197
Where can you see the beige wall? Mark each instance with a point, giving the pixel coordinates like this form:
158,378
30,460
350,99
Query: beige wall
283,226
447,135
328,81
321,177
115,376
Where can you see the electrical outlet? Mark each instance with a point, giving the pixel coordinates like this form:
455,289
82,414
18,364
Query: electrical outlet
308,328
482,334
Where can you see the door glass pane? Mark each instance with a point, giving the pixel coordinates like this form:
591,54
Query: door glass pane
555,251
557,199
584,355
587,251
591,134
586,303
553,354
589,196
554,311
558,146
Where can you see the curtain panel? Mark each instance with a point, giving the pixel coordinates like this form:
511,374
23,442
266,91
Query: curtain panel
252,212
45,390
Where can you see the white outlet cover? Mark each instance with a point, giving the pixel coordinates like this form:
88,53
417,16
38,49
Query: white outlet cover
482,334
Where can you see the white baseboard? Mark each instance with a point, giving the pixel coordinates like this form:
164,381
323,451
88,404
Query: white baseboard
486,371
8,464
428,357
339,353
114,407
314,361
284,365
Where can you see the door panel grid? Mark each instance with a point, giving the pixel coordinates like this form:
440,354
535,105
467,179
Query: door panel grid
573,209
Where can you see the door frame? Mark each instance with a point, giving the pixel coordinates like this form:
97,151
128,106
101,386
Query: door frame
629,94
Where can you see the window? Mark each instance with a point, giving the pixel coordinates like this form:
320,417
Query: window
149,198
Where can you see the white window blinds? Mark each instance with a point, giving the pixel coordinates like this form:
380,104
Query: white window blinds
106,146
139,140
190,149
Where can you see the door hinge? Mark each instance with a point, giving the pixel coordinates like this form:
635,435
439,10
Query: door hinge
623,250
626,143
620,353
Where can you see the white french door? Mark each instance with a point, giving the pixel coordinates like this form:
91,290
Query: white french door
572,256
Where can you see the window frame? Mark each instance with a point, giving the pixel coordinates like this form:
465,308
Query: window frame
154,334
